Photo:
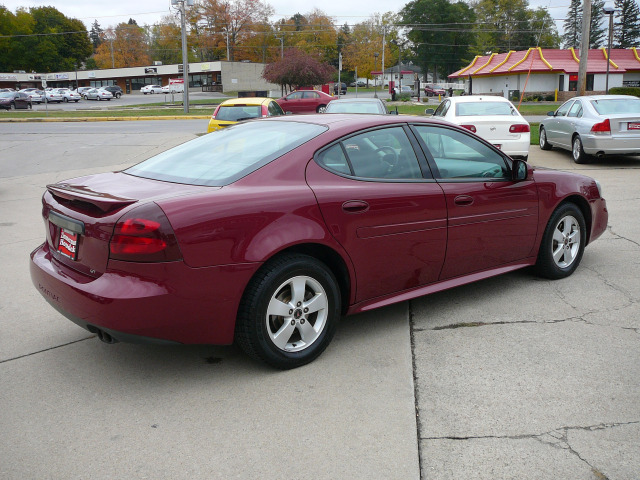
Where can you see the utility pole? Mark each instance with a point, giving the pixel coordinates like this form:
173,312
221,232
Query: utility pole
584,47
185,57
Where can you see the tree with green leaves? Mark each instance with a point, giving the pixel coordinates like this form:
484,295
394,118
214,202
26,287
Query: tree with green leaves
440,33
95,34
544,28
626,28
573,25
597,31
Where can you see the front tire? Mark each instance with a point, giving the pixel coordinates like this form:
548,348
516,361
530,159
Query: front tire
563,243
289,311
321,108
544,143
577,151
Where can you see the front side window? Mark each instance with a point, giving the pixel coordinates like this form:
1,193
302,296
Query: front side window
224,156
461,156
295,96
310,95
274,109
564,108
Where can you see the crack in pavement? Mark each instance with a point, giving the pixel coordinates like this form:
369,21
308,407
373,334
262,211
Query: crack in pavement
46,349
557,438
620,237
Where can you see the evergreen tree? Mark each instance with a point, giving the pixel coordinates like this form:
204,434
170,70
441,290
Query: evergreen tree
626,28
573,25
95,34
598,30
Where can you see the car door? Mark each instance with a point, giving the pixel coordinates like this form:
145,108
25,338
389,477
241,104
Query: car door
381,204
310,101
292,102
492,220
556,127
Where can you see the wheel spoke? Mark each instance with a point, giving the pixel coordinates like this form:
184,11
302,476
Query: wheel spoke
278,307
298,286
558,236
573,235
307,332
282,336
568,225
318,302
568,256
558,253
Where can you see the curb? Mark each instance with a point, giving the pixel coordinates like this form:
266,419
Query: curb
101,119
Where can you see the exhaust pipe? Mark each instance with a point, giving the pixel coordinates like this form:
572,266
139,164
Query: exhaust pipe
600,155
102,335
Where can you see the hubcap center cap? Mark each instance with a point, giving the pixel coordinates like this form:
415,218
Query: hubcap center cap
297,314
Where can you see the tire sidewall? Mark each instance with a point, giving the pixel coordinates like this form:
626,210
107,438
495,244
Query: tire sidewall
581,158
546,265
253,316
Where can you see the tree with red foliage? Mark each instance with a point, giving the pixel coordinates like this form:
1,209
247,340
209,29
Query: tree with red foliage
297,69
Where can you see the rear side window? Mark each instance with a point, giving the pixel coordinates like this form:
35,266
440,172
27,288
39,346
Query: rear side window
222,157
275,109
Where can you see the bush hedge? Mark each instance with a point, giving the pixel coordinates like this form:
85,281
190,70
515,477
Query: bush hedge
635,91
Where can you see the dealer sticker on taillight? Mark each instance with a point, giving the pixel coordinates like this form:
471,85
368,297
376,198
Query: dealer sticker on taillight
633,126
498,145
68,244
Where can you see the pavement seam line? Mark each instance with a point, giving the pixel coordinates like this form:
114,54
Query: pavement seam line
416,403
46,349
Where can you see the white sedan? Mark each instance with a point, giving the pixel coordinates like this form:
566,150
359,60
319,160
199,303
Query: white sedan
69,95
493,118
151,89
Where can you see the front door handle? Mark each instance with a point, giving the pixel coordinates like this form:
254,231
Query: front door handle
355,206
463,200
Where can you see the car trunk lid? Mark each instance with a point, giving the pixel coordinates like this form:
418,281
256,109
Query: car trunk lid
80,214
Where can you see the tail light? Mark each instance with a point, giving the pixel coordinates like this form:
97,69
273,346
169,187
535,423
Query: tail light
471,128
144,235
602,127
519,128
215,112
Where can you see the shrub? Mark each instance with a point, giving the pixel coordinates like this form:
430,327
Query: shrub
635,91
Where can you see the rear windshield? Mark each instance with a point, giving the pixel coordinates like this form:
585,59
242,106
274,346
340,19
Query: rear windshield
237,112
484,108
617,105
224,156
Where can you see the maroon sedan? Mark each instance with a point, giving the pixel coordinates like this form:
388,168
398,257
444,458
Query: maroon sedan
305,101
266,232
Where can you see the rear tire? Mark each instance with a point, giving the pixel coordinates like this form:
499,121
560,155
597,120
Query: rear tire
563,243
577,152
321,108
289,311
544,143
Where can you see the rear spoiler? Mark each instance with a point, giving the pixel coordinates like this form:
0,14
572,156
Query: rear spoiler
103,201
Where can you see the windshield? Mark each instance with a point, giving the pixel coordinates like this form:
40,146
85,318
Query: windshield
617,105
6,94
222,157
235,113
355,107
484,108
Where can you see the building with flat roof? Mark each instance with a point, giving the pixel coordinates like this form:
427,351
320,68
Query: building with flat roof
540,70
210,76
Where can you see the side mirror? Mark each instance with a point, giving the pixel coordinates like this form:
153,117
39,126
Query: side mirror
429,111
519,170
551,114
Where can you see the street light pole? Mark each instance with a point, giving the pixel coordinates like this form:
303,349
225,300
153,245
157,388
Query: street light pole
375,76
609,11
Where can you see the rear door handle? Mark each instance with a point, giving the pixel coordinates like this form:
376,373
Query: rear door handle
355,206
463,200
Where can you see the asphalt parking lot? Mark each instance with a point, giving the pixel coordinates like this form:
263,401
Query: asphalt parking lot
514,377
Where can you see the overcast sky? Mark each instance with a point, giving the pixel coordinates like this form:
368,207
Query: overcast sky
148,12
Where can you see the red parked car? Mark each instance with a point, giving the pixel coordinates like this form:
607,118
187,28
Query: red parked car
266,232
305,101
434,90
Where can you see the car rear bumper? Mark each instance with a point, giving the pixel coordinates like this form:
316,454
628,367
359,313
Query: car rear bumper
160,303
611,144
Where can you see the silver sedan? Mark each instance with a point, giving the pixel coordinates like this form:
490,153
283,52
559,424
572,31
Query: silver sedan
594,125
97,94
